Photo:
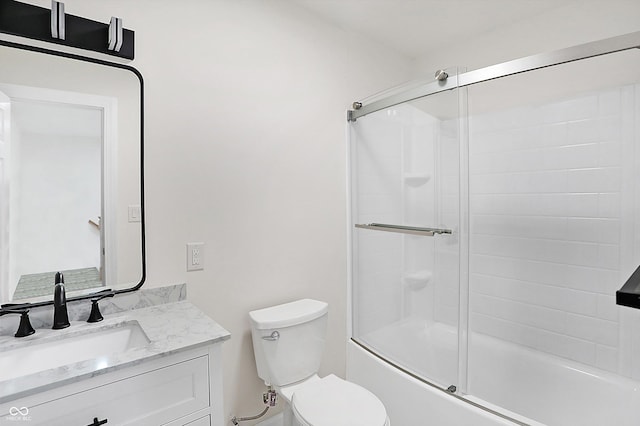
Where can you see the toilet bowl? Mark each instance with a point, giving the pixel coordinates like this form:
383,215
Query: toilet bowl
288,341
333,401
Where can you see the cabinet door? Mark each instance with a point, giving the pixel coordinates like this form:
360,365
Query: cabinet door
204,421
152,398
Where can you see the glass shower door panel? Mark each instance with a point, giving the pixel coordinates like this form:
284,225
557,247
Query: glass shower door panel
554,169
404,173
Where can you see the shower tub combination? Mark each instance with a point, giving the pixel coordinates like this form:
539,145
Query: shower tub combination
494,214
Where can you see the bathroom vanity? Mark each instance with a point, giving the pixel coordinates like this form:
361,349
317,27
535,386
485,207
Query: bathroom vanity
159,365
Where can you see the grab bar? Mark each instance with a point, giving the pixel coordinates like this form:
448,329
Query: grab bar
413,230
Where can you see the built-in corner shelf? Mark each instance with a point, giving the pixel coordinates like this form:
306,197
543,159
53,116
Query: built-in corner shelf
629,294
417,280
416,179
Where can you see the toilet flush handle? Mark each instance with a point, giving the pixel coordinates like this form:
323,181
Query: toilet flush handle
274,336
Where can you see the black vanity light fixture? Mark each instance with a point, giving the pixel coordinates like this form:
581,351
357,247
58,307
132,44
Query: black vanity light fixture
53,25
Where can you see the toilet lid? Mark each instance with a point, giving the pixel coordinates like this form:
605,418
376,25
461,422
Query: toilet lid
336,402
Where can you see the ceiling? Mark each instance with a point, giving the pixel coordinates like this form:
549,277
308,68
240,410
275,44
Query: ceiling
416,27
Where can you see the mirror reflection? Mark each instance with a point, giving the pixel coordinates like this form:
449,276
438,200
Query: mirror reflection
70,176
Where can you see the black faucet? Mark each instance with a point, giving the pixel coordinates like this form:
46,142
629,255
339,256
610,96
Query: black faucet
60,315
25,328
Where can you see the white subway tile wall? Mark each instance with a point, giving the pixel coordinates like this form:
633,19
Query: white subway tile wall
547,213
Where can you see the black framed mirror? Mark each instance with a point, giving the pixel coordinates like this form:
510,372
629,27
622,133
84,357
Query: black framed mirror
71,175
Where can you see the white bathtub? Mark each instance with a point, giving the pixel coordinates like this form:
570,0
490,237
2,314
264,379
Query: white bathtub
508,378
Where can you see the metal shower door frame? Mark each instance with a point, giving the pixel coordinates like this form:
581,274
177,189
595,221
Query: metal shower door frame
516,66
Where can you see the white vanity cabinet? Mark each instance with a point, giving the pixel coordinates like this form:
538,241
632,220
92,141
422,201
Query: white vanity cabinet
184,388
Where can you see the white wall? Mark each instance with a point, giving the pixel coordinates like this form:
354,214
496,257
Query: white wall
569,24
55,172
245,151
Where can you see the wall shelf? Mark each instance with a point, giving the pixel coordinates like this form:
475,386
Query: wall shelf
629,294
417,280
416,179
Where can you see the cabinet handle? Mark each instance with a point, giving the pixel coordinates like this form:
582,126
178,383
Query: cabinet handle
97,422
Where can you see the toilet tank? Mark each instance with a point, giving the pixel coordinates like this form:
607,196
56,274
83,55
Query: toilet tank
288,340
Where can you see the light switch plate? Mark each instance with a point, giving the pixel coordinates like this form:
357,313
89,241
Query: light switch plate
135,213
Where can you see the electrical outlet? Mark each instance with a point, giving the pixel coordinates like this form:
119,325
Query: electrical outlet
195,256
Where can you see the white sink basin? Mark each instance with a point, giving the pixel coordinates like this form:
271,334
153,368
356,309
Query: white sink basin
51,352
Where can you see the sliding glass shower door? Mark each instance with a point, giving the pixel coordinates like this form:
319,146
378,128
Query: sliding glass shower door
405,183
488,240
554,172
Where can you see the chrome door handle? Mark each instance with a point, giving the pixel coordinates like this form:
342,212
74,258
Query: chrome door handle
274,336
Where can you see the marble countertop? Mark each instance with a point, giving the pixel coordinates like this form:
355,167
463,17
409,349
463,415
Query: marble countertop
170,328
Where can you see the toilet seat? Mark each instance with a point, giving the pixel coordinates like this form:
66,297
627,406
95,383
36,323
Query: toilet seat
332,401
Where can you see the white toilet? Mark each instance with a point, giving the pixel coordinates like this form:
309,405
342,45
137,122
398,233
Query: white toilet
288,341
